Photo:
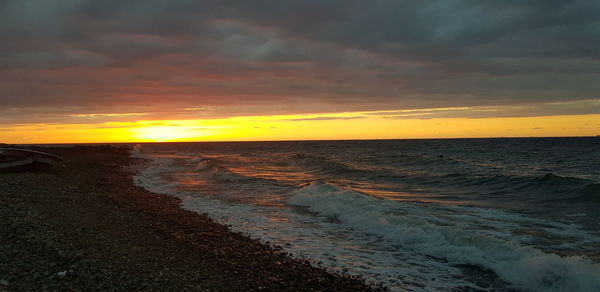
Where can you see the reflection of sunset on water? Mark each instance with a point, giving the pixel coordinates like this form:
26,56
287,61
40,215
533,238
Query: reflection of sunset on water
418,145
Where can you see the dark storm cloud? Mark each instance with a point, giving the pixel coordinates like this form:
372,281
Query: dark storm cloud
295,56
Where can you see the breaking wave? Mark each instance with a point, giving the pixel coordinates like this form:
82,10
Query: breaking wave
435,215
211,169
548,187
459,239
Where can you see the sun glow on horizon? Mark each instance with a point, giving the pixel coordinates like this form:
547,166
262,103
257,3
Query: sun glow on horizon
334,126
164,133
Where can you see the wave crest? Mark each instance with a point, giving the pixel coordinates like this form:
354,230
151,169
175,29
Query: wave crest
417,228
208,167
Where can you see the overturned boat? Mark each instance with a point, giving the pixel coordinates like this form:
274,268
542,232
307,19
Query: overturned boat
15,159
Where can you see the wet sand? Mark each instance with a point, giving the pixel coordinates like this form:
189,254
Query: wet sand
85,226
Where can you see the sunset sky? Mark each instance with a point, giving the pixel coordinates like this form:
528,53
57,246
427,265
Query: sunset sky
183,70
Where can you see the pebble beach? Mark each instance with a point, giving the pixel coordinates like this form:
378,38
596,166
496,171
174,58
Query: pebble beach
84,226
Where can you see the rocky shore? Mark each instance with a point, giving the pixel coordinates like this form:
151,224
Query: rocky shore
85,226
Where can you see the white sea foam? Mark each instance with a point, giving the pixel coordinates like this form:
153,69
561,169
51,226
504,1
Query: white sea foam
332,246
309,237
458,239
407,246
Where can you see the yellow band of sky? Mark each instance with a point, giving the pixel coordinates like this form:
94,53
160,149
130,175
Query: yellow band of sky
354,125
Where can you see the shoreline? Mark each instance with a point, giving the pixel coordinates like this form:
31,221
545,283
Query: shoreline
86,226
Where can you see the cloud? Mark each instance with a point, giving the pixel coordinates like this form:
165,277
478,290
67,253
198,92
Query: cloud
85,56
324,118
584,107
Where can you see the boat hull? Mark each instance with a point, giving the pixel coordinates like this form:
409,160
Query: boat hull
12,160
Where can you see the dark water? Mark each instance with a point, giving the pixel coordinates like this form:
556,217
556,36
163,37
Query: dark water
491,214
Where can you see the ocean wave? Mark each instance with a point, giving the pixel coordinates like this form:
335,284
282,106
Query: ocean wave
153,176
322,164
547,188
457,238
589,193
196,159
209,168
333,168
441,172
187,154
575,189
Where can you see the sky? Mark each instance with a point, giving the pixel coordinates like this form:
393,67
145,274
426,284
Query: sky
186,70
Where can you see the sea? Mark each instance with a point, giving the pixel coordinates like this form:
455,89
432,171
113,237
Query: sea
506,214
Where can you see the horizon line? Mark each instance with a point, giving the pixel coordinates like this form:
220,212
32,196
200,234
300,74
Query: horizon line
305,140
